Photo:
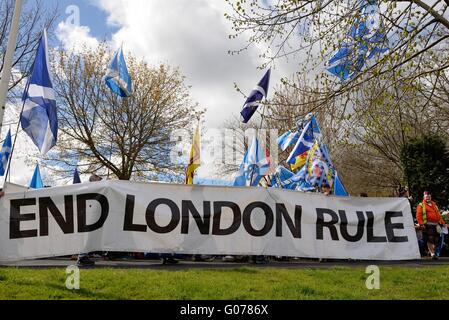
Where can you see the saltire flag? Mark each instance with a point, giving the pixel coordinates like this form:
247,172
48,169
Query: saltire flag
39,118
339,188
117,76
341,70
36,181
345,65
369,23
5,153
255,166
286,179
76,177
282,174
254,100
195,157
305,142
366,42
287,139
315,127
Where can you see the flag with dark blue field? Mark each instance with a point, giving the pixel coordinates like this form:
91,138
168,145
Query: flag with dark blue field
254,100
39,118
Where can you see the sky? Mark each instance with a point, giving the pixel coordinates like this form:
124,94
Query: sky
192,35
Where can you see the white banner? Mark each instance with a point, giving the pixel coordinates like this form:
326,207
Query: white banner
165,218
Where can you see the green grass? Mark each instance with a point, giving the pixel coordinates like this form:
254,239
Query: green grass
236,284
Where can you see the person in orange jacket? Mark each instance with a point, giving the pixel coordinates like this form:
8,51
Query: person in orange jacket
429,217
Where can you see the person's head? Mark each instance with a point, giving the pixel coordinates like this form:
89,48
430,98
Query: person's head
95,178
427,196
326,189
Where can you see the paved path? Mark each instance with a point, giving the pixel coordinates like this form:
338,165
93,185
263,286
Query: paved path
219,264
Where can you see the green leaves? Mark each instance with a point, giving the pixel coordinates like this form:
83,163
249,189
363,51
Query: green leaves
426,166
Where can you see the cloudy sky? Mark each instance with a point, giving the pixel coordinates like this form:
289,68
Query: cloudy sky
192,35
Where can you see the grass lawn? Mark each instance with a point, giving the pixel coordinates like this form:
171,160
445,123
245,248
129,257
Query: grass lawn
236,284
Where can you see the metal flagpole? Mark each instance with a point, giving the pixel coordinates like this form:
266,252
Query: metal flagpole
11,47
257,135
17,133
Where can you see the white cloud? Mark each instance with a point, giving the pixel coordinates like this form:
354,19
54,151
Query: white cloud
73,37
194,36
191,35
25,153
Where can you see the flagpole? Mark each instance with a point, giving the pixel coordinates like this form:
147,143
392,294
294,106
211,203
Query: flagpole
11,47
257,135
17,133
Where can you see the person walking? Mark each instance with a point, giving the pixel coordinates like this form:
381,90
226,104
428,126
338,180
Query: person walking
429,219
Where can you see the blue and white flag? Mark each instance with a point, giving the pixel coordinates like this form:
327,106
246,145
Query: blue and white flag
255,166
282,174
285,179
76,177
304,144
117,77
315,127
287,139
366,41
5,154
39,118
348,62
255,98
36,182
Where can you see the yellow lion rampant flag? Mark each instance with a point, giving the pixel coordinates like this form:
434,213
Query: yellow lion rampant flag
195,157
300,161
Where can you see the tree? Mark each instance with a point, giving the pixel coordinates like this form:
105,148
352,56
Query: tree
426,166
289,105
365,131
33,20
387,115
312,30
129,138
395,97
